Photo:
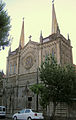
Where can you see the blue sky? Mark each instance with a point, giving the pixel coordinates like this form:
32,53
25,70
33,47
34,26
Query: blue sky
38,16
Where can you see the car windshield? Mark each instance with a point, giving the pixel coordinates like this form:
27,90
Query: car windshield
27,110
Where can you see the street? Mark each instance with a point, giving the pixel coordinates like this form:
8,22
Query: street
5,118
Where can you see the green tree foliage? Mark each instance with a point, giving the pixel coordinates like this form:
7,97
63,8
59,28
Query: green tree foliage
1,75
4,26
58,83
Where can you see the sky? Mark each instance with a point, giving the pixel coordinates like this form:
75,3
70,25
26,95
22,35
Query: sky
38,16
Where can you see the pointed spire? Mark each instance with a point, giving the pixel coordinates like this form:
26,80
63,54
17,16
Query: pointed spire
68,39
55,28
41,33
9,51
68,36
41,37
30,38
21,44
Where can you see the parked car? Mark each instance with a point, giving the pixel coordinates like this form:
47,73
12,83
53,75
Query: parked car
28,114
2,111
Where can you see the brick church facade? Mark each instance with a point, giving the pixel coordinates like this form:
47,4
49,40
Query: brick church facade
23,63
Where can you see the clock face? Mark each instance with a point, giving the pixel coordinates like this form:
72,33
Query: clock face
28,62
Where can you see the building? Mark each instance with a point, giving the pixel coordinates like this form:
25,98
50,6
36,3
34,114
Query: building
23,63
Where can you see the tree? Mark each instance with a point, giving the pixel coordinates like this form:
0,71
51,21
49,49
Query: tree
1,75
4,26
58,83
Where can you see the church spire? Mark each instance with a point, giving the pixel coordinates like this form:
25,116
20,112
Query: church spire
55,28
41,37
21,44
9,52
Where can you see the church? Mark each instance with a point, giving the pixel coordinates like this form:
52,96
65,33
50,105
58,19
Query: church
23,63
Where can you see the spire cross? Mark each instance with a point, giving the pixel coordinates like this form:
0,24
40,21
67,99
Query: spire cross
53,1
30,37
23,18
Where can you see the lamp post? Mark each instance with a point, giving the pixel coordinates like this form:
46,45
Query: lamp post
37,94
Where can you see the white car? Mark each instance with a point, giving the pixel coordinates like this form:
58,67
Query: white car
28,114
2,111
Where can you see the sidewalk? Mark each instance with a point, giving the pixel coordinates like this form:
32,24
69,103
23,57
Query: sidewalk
9,116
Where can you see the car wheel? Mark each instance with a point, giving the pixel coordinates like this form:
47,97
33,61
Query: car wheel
15,118
28,118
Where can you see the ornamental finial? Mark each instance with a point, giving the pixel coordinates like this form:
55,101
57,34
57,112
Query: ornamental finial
52,1
30,38
23,18
68,36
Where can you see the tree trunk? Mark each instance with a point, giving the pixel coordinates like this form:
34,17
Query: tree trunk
54,109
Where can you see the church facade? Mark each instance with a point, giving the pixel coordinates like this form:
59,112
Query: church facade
23,64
